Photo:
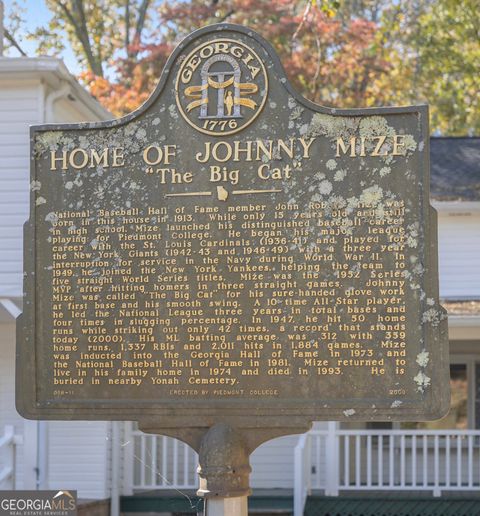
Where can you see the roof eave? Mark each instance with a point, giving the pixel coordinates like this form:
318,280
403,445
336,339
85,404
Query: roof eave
464,321
456,206
52,70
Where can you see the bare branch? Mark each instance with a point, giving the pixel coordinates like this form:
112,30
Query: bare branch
81,32
308,8
13,42
225,18
97,63
127,24
142,14
318,65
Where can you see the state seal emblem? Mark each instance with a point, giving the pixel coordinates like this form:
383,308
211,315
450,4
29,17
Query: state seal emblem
221,87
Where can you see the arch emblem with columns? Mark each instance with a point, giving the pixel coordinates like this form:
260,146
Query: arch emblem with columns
221,87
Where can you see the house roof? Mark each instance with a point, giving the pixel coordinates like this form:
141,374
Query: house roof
54,72
455,168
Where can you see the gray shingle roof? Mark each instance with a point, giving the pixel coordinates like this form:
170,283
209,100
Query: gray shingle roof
455,168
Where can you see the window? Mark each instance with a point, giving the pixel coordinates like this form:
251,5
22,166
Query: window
457,417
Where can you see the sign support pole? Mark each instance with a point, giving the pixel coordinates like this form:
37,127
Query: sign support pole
224,471
223,457
237,506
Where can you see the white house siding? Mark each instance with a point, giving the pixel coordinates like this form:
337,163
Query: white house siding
21,105
78,452
68,111
19,108
78,457
272,463
459,254
8,414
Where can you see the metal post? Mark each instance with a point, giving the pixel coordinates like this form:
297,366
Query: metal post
223,456
224,472
227,506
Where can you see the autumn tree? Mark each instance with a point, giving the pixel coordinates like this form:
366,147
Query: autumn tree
96,30
332,61
350,53
434,48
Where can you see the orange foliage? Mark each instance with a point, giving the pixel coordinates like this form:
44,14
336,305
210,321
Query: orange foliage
327,61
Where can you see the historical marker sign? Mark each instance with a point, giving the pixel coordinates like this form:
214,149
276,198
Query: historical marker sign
232,250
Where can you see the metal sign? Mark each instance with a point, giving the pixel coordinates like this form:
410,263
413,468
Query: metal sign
231,250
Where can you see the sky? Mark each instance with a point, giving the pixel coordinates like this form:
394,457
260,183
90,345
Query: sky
36,14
